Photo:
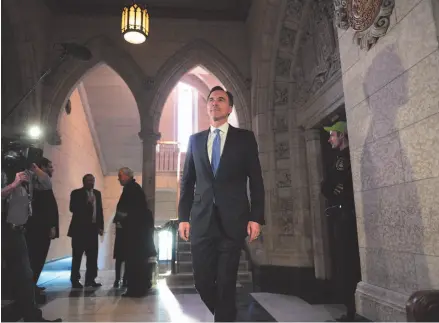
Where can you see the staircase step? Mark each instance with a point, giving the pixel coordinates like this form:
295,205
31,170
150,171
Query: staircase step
187,255
184,246
188,278
186,266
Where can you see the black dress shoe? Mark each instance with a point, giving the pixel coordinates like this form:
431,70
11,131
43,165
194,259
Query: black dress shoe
116,284
93,284
42,319
77,284
131,294
40,289
55,320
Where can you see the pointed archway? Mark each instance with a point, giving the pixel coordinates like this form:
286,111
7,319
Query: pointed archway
198,53
61,83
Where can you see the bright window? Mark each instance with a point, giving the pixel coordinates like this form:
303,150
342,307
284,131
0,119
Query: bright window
186,113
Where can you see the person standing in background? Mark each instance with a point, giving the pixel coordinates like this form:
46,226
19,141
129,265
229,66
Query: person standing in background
86,225
43,226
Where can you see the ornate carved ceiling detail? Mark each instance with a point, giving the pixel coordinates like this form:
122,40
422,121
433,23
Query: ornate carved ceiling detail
369,18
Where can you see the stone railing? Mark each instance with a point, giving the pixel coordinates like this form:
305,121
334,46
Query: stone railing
167,157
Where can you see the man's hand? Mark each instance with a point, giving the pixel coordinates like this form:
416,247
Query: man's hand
52,234
20,177
253,230
101,232
37,170
183,230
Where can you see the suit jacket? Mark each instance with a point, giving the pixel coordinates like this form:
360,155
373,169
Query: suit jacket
82,212
228,189
44,212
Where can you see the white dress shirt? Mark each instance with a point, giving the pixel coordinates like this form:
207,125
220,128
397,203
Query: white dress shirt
223,135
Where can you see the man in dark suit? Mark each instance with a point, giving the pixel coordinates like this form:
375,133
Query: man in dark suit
87,223
42,227
214,208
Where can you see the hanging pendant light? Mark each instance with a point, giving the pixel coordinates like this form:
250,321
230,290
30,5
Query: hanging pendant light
135,23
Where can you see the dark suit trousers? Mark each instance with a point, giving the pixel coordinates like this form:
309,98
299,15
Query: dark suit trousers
215,261
38,243
14,250
87,242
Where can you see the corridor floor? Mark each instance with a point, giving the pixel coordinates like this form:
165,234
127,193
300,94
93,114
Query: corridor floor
164,303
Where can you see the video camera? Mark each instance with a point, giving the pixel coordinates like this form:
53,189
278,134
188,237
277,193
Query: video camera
17,156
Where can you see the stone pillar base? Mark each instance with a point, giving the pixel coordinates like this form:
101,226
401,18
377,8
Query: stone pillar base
380,304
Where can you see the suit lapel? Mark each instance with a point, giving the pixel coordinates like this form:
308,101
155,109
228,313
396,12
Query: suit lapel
205,155
227,148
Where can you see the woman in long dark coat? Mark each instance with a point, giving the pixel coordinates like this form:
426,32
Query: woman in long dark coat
138,238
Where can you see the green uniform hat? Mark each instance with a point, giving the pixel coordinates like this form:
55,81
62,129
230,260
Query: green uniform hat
339,126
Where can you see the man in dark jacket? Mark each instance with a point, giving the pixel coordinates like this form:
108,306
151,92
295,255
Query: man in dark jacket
214,209
338,189
42,227
87,223
133,215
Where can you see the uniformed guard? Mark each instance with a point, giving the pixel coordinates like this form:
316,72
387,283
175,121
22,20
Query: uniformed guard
338,189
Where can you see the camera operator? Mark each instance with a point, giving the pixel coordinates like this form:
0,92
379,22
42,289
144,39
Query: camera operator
42,227
18,208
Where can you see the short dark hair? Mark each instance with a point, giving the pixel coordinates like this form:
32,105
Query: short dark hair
85,176
44,162
219,88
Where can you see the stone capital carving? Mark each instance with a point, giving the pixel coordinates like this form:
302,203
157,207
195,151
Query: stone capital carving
312,134
149,137
370,19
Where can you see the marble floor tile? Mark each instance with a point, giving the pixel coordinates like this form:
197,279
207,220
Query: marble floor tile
286,308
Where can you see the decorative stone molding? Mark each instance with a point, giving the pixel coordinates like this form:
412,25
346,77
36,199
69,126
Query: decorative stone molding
369,19
282,150
281,94
380,304
150,137
283,178
283,67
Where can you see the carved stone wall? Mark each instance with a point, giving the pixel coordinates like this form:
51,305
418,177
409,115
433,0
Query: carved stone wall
392,110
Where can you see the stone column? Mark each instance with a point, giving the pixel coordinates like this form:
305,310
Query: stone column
148,168
322,260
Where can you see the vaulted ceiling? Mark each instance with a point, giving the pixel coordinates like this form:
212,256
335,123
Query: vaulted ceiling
178,9
114,117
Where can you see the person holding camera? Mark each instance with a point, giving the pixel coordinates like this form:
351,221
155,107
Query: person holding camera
17,198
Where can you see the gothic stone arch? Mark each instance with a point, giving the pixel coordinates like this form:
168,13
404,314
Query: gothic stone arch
61,83
197,53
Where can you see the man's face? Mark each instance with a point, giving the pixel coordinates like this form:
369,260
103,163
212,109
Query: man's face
218,107
335,139
48,169
89,182
123,178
